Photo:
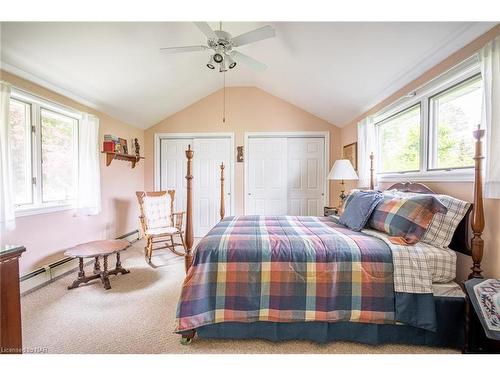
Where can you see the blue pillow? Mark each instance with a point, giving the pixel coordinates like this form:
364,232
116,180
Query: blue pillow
359,209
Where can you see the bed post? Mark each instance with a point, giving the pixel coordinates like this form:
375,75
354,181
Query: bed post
222,203
189,209
372,183
477,222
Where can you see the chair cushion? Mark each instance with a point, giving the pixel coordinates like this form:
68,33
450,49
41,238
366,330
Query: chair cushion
360,207
157,211
163,230
405,219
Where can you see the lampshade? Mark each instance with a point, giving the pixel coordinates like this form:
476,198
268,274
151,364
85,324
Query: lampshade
342,170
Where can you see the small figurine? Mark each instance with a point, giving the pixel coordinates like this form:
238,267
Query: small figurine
137,147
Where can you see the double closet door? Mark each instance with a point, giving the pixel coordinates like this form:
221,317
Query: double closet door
286,176
209,153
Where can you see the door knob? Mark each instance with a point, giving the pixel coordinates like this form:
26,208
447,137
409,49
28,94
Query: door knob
249,193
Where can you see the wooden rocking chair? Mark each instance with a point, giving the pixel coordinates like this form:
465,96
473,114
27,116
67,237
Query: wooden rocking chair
159,222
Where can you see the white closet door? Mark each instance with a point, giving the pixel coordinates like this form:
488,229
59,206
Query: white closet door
209,153
267,180
173,169
306,176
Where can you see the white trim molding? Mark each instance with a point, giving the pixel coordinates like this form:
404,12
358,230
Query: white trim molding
454,175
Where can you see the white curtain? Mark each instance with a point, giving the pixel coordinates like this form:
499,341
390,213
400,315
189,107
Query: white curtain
89,174
489,58
7,215
366,145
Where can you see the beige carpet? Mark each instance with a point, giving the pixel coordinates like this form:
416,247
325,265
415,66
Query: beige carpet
137,316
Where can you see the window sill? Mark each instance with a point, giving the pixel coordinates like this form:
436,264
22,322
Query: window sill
21,212
457,175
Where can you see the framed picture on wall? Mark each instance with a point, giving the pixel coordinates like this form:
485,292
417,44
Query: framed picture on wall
350,152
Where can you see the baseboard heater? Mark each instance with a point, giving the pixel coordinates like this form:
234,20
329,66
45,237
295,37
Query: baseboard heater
45,275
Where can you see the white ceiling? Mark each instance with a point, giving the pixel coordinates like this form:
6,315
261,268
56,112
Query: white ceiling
334,70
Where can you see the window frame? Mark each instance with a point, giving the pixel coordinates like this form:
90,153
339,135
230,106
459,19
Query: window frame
29,148
385,120
461,73
433,138
37,104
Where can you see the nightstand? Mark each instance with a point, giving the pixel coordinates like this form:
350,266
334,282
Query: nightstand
328,211
479,338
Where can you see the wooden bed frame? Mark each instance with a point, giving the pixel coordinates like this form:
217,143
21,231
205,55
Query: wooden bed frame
461,241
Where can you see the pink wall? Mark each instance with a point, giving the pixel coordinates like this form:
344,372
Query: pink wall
248,109
47,235
491,260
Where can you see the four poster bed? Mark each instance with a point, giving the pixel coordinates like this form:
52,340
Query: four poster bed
287,277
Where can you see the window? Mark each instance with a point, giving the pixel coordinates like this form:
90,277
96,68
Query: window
399,141
428,134
455,113
58,157
43,154
20,151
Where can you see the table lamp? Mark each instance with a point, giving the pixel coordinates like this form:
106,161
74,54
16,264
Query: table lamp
342,170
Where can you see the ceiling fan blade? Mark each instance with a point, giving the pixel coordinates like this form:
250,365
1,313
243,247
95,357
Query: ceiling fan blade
183,49
253,36
248,61
206,29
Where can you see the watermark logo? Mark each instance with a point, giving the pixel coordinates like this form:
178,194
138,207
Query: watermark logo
25,350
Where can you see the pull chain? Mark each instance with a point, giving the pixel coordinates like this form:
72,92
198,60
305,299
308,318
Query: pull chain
224,101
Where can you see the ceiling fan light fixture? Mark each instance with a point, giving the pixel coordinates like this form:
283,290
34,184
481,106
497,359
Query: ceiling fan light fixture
222,44
211,63
223,66
230,62
218,58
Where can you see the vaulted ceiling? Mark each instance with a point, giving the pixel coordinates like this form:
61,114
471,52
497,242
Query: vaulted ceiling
334,70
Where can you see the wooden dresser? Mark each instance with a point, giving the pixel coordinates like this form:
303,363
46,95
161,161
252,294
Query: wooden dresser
10,300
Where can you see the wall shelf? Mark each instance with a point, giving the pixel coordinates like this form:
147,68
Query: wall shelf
110,156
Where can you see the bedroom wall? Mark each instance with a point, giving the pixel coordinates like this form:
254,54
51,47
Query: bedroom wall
491,259
248,109
47,235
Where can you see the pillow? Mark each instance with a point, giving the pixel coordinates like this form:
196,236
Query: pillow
405,220
443,225
157,211
359,209
349,197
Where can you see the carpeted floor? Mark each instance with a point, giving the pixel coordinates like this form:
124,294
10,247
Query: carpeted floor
137,316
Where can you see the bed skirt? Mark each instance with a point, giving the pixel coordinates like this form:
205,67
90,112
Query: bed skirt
450,313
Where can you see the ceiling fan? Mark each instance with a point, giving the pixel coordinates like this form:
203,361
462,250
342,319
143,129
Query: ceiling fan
222,44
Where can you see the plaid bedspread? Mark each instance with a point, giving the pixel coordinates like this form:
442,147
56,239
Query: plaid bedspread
287,269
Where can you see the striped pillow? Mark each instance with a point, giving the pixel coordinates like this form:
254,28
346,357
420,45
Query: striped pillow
405,220
443,226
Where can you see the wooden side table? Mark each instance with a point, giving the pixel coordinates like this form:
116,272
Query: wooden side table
10,300
95,250
478,338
